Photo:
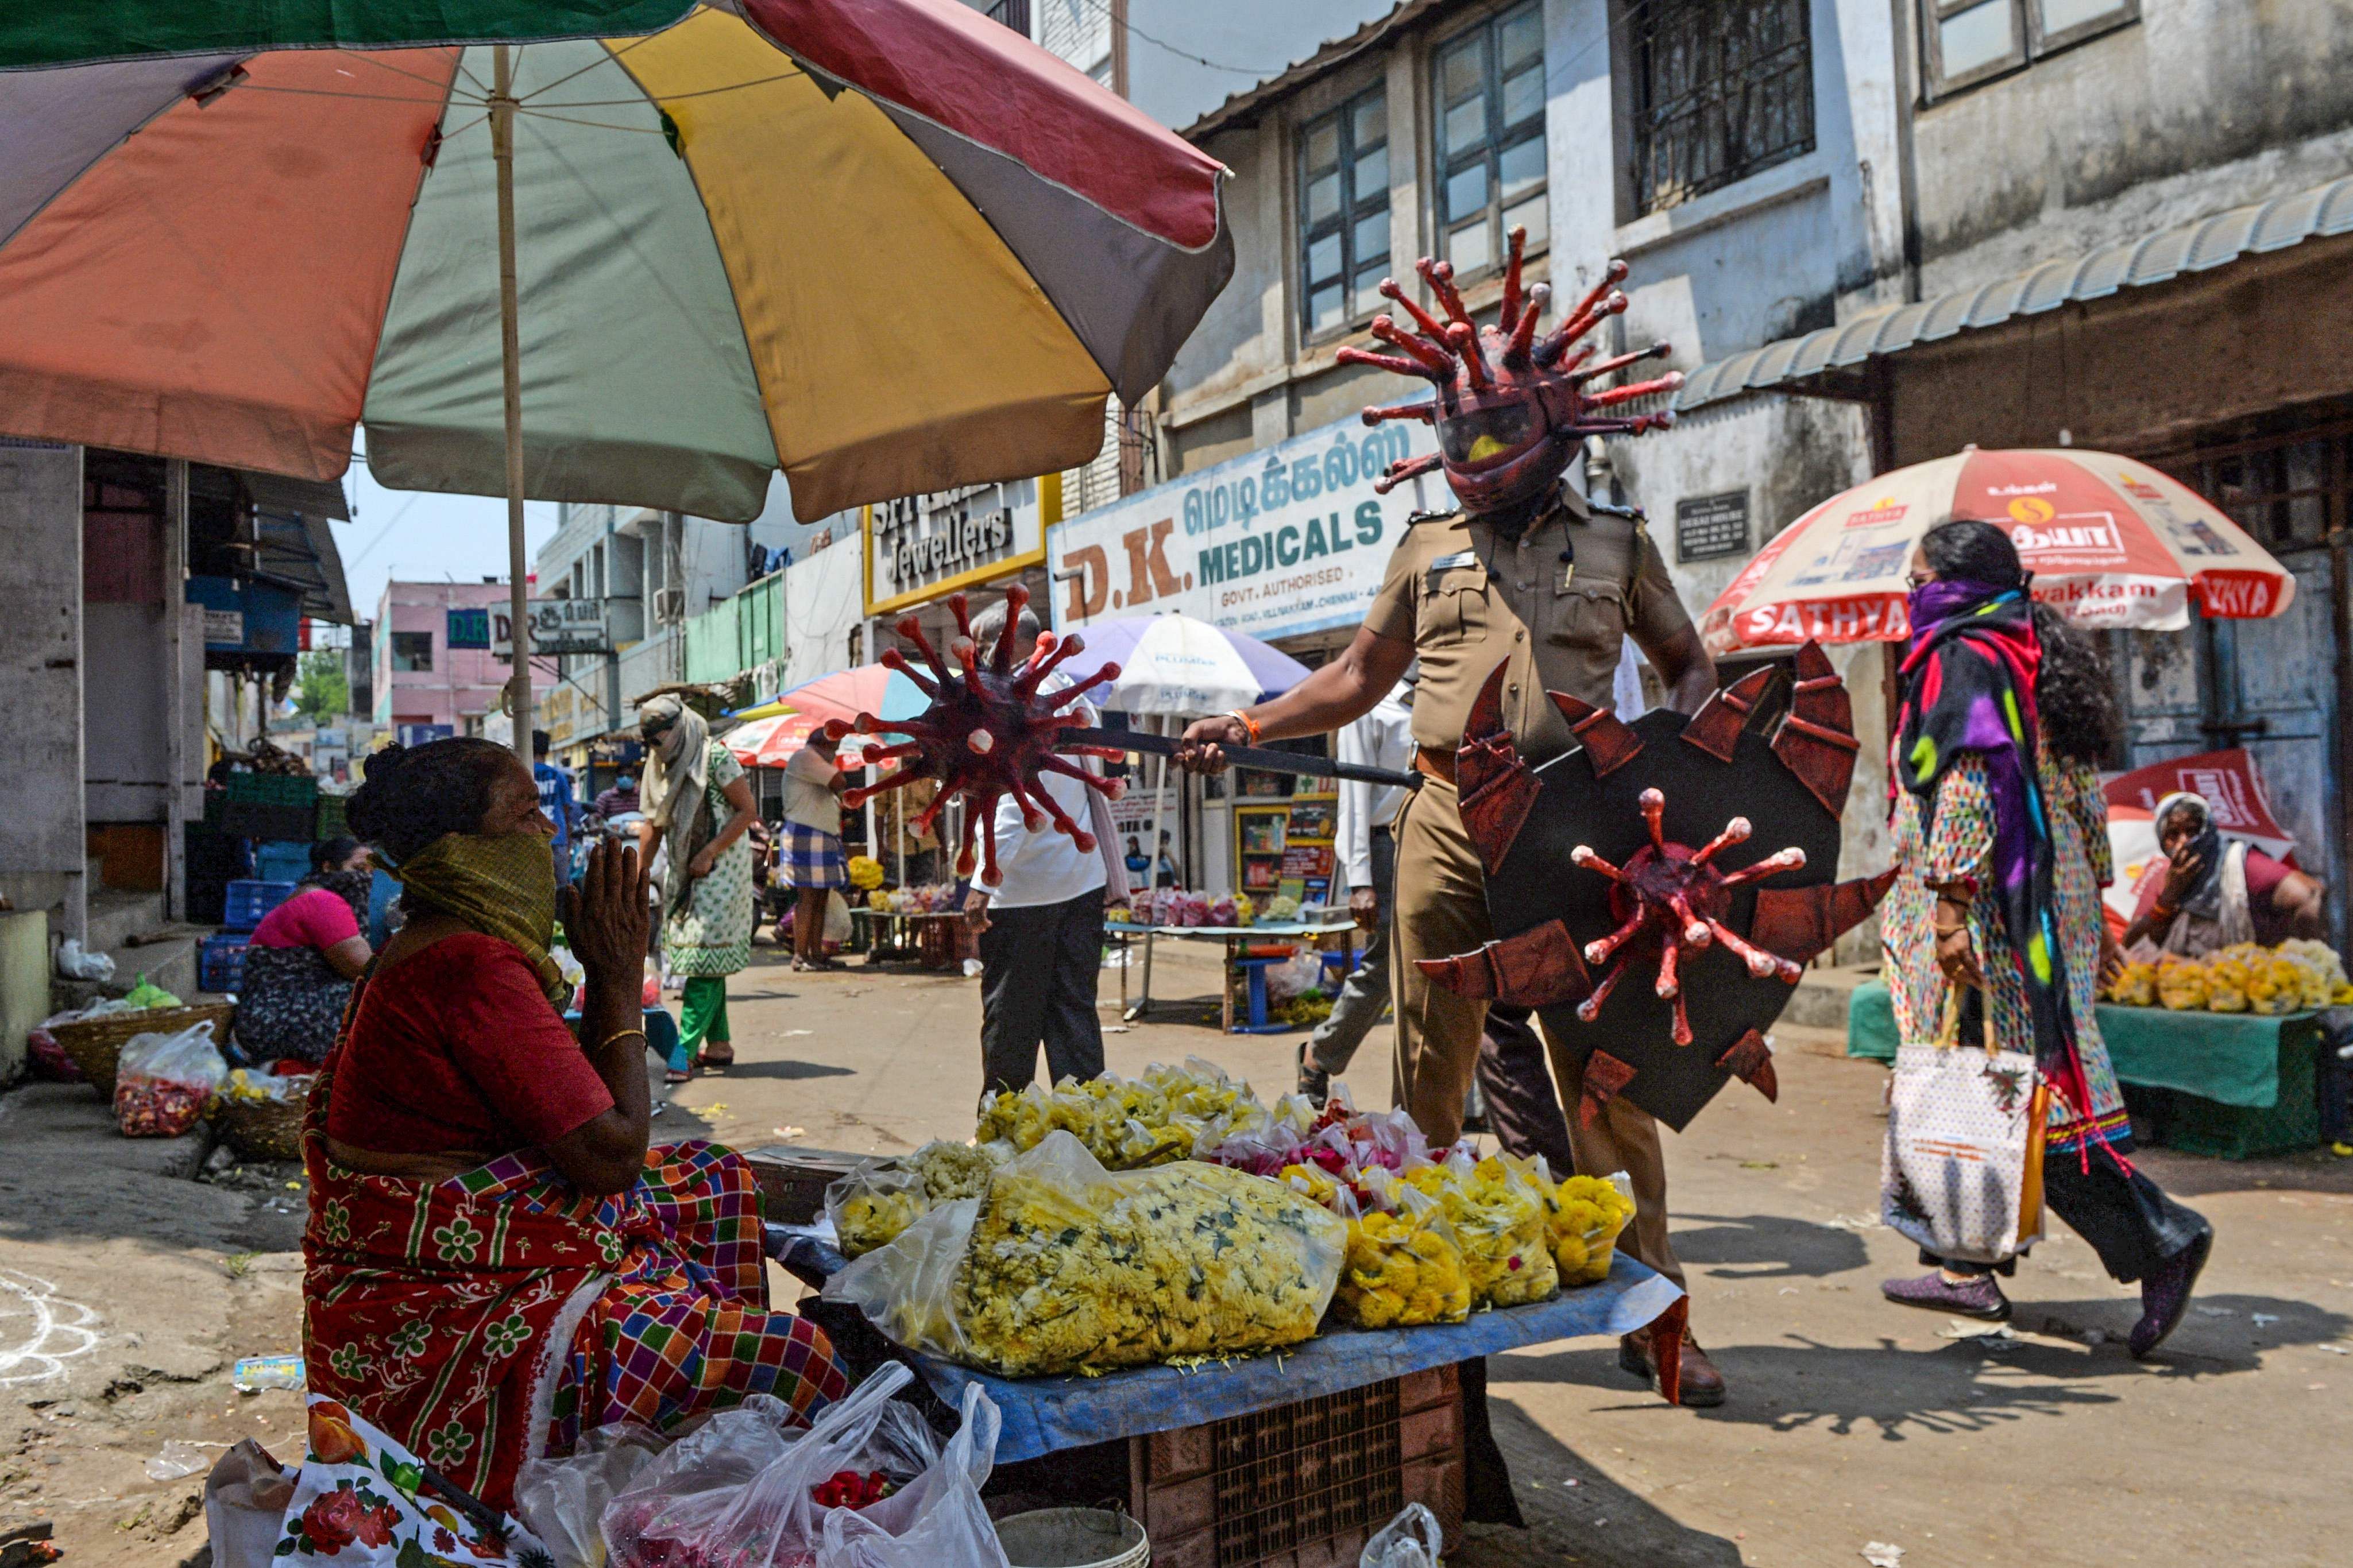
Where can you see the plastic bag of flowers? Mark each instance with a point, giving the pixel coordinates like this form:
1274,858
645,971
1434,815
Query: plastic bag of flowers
1065,1265
1583,1217
880,1198
1405,1267
1500,1223
749,1490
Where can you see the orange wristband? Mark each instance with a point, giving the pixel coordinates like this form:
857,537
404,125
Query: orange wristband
1246,722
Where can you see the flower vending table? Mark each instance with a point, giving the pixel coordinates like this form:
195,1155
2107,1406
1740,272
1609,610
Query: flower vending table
1234,938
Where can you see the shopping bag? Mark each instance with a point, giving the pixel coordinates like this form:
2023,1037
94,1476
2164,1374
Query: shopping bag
1961,1171
361,1500
162,1082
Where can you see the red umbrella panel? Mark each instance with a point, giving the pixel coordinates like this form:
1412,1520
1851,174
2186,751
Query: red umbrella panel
2113,542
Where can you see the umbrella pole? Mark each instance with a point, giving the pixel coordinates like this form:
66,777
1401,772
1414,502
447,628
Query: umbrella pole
502,109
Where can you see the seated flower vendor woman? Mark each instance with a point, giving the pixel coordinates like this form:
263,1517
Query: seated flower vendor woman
495,1260
2217,892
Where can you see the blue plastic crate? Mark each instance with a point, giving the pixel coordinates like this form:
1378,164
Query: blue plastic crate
220,961
248,900
282,861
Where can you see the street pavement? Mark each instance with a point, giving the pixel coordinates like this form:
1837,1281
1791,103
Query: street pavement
1852,1422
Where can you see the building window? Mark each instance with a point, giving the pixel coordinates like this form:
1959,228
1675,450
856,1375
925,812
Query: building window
1965,42
412,651
1343,210
1489,99
1720,89
1014,14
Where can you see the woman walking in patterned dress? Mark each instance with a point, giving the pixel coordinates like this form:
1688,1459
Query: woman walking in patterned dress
698,805
2000,828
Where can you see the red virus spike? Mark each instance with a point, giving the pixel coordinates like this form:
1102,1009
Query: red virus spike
1052,651
1431,355
963,651
1031,817
913,630
1071,694
1737,831
900,780
977,808
1695,931
1760,963
1431,325
1078,837
1611,276
1442,287
1465,339
1773,865
1576,327
961,608
1517,352
893,754
1573,360
1654,815
1427,412
1398,473
894,659
1392,363
1590,1008
1598,952
1583,855
1619,362
1016,599
1507,315
1682,1031
1628,394
1662,419
929,817
1668,987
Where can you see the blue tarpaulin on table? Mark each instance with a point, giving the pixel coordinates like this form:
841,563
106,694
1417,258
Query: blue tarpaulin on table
1046,1414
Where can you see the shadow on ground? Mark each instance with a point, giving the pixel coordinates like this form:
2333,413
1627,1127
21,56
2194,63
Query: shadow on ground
1765,1246
1966,1385
785,1068
1595,1522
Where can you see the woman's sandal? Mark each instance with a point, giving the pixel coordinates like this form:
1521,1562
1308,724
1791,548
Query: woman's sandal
711,1062
675,1077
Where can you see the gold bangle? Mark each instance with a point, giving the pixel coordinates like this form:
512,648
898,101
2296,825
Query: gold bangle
620,1035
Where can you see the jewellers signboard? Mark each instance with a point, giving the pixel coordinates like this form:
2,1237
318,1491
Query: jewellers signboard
557,625
921,547
1281,541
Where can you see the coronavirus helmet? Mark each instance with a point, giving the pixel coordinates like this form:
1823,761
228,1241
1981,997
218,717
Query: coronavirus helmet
1512,408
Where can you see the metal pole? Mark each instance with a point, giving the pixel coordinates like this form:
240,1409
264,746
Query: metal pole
502,109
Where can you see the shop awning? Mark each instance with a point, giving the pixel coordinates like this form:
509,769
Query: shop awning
1811,363
293,546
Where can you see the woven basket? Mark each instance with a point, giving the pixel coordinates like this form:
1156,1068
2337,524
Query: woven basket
261,1128
94,1045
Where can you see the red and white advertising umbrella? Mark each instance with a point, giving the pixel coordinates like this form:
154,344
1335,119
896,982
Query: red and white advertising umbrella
2111,541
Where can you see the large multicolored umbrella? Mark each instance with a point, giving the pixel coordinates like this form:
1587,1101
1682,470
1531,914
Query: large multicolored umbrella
650,256
886,246
2113,542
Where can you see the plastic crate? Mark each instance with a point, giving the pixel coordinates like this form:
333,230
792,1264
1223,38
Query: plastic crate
283,861
261,819
220,961
333,819
248,900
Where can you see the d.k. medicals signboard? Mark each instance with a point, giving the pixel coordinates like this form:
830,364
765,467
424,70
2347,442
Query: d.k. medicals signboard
1285,541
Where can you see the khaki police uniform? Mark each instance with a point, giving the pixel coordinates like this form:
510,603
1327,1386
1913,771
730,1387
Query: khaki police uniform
1467,598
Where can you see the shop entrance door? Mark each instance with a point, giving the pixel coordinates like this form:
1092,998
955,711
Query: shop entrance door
2271,686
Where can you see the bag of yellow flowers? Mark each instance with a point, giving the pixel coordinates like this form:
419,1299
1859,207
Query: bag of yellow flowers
871,1204
2181,983
2135,986
1063,1266
1405,1268
1499,1221
1583,1216
2226,984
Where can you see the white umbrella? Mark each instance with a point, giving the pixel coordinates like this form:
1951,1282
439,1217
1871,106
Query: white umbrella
1176,665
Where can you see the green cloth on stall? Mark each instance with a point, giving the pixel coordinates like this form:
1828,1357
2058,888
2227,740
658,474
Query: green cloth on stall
2229,1084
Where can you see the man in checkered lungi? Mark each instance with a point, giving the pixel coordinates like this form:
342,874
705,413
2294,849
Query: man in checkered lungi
809,854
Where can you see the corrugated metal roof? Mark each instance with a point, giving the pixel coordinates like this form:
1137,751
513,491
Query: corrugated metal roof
2315,214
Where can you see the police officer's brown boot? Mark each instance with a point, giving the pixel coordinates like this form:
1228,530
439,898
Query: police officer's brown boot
1703,1384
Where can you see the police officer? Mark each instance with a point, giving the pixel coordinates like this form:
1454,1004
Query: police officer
1525,574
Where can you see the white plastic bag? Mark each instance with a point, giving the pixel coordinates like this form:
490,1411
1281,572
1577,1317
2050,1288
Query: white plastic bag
1295,976
1411,1540
162,1082
562,1500
245,1505
936,1519
744,1495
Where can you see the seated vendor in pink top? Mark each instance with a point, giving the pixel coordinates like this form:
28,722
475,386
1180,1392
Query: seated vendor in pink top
2217,892
303,959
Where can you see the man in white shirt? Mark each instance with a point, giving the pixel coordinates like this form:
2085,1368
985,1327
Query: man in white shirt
1041,929
1367,863
811,853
